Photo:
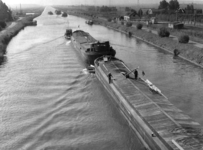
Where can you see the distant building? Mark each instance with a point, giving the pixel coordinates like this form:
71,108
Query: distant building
176,25
30,14
181,11
198,11
153,11
192,11
153,20
126,18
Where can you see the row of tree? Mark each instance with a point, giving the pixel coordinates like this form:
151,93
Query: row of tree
102,9
5,12
171,5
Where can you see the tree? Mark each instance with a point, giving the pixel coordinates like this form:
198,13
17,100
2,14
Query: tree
190,7
174,5
127,8
140,13
163,5
5,12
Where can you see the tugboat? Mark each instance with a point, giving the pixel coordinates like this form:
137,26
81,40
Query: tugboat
90,22
68,34
90,48
157,123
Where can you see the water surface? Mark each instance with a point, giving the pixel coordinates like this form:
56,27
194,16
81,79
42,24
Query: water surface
47,102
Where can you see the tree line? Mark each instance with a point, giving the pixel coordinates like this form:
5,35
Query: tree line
174,5
102,9
5,12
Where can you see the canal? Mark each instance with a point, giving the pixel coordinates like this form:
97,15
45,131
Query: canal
48,102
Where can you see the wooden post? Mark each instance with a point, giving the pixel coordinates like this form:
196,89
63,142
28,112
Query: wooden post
194,19
176,15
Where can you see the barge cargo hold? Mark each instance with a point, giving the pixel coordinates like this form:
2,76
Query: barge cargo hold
157,122
89,48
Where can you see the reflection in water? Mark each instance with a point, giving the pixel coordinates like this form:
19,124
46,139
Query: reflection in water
47,102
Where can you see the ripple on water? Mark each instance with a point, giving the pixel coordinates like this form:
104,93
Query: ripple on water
47,102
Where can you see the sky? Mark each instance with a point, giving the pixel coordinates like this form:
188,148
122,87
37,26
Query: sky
90,2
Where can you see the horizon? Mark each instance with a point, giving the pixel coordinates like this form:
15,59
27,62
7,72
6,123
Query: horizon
94,2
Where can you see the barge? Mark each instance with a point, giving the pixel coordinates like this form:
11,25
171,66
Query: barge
90,48
90,22
157,122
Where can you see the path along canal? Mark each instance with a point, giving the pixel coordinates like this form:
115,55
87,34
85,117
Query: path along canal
47,102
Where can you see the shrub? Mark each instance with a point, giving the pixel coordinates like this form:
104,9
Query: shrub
139,26
183,39
109,20
163,32
2,24
129,24
6,39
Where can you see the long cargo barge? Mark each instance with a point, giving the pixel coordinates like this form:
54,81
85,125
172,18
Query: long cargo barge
157,122
90,48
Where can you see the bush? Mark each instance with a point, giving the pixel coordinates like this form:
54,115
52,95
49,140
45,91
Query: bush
109,20
163,32
129,24
139,26
183,39
2,24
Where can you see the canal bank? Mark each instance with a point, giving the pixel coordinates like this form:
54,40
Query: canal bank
12,30
189,52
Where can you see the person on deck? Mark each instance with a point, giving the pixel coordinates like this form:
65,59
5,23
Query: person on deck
109,77
136,74
143,73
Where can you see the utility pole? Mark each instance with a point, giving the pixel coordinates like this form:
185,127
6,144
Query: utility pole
138,4
21,12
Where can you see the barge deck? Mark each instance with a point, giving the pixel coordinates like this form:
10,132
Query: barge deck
158,123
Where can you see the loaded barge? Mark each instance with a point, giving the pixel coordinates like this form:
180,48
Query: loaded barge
90,22
157,122
90,48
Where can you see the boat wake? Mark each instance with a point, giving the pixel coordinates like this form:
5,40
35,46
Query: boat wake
85,71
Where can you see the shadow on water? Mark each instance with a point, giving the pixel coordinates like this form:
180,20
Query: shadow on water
3,60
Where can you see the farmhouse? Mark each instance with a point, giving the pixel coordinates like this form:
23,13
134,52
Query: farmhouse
176,25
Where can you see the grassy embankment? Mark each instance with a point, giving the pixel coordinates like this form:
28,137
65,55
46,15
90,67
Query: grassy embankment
7,34
187,51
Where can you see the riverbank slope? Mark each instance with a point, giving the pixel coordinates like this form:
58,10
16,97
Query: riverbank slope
7,34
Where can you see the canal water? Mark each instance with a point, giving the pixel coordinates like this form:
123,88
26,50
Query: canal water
47,101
